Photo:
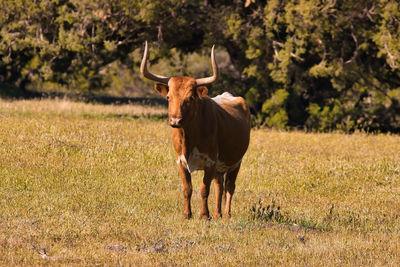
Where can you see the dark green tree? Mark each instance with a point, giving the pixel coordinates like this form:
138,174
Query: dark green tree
319,65
311,64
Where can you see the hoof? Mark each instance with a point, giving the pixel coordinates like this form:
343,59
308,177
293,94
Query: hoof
205,217
217,215
228,216
187,216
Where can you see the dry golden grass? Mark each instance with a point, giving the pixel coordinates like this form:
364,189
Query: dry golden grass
66,107
85,184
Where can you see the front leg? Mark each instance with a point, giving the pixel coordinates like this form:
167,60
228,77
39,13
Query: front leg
187,190
204,192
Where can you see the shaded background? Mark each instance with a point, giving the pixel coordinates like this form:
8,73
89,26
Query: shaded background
307,64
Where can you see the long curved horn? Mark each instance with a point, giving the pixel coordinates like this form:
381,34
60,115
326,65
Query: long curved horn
211,79
146,73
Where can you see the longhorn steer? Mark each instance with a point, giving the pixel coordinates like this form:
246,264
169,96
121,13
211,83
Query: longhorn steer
210,134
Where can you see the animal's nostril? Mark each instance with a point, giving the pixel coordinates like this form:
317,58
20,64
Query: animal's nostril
175,121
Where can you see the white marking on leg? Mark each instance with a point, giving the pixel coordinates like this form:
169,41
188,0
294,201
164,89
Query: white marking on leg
182,160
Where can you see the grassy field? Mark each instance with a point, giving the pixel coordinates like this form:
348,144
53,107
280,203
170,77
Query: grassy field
84,184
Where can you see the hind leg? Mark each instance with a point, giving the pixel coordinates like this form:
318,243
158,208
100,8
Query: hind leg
219,189
230,180
204,192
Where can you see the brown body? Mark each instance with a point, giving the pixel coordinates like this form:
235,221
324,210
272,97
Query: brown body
210,134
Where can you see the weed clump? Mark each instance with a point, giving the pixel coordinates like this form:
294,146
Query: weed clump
269,213
272,213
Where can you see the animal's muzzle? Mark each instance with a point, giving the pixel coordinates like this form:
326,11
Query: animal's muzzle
175,122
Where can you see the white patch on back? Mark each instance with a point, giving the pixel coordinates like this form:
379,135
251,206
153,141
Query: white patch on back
225,97
197,161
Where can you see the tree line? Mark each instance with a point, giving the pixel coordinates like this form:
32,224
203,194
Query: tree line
318,65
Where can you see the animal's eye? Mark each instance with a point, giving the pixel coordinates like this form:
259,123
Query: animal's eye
168,98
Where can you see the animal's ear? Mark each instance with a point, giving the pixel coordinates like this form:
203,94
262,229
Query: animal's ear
162,89
201,91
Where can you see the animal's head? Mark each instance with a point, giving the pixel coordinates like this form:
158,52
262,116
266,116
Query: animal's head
182,93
